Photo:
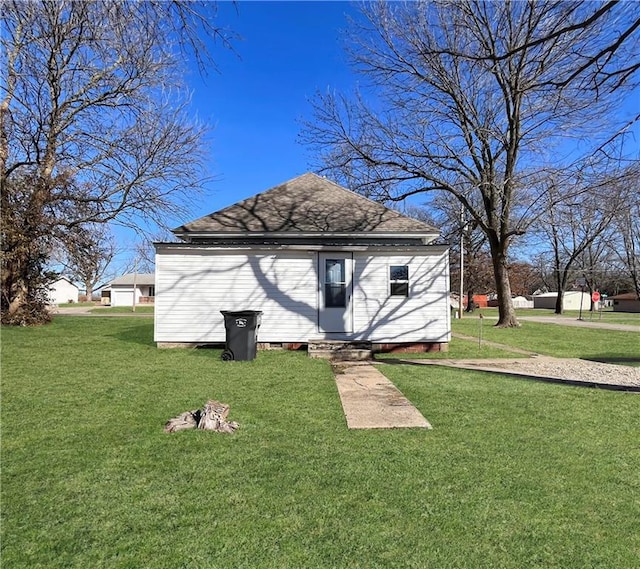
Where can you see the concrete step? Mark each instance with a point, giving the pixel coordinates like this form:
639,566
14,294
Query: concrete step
336,350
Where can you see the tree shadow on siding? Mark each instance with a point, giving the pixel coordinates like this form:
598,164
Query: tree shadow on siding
311,206
383,310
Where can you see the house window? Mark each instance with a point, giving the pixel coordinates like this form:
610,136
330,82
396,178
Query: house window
399,280
152,291
335,283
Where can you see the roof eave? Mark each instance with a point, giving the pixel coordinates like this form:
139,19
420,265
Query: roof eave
305,234
438,248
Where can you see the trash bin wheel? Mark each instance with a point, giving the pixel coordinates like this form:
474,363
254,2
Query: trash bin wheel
227,356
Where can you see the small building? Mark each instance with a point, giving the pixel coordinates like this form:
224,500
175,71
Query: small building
120,291
319,261
628,302
522,302
63,291
517,301
572,300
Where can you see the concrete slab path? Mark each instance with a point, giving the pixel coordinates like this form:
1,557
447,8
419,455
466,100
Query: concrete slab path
371,401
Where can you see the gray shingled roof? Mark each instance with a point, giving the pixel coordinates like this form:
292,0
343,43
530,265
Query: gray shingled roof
140,279
307,204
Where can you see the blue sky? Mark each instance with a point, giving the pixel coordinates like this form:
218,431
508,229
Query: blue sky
283,54
287,52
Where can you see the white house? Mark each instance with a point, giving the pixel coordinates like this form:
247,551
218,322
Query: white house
63,291
319,261
119,292
521,302
570,301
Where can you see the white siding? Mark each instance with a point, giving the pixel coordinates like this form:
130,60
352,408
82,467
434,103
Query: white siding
570,301
423,316
194,285
62,291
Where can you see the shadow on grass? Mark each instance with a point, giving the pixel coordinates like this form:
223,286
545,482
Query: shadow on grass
141,334
609,359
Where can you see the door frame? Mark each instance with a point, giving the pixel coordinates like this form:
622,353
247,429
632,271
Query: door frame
325,326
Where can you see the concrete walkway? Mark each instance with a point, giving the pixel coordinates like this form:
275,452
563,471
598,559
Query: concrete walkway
371,401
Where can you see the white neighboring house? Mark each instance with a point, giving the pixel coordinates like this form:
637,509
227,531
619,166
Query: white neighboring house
63,291
570,301
521,302
321,263
120,291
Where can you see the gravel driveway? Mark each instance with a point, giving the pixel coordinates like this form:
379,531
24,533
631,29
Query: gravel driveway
570,370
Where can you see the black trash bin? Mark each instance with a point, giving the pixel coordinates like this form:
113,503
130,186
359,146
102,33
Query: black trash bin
241,334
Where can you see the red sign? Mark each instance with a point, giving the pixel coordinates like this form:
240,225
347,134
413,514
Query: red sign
595,296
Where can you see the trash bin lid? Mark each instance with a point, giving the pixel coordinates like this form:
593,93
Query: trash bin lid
240,312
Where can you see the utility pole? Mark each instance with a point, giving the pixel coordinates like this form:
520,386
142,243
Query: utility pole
135,271
461,302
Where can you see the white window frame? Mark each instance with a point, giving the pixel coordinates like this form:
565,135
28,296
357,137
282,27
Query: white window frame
393,281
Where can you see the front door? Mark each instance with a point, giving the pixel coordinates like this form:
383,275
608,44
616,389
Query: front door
336,288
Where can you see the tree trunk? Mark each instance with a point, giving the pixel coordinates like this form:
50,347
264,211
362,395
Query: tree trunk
24,284
561,282
18,296
24,250
559,302
470,304
506,312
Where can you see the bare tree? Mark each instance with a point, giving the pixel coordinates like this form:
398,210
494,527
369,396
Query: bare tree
475,99
89,252
577,223
145,253
94,123
444,212
627,224
524,277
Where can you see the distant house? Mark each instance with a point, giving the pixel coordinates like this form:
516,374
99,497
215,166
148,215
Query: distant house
521,302
120,291
572,300
63,291
628,302
319,261
517,301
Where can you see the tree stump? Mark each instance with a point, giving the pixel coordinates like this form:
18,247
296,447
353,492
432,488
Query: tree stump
187,420
212,418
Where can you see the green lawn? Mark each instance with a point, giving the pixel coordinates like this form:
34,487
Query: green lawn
140,309
555,340
606,316
515,474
